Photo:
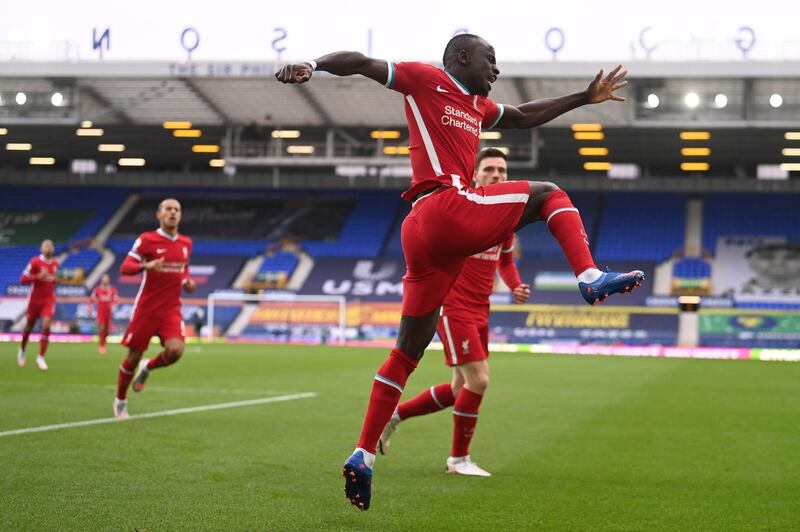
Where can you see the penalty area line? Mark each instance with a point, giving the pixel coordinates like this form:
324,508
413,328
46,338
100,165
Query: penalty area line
161,413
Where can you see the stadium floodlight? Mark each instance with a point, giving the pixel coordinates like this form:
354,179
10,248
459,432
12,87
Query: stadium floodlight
339,321
695,152
396,150
776,100
187,133
206,148
789,135
653,101
587,127
177,124
216,163
86,124
19,146
596,165
3,131
21,98
695,135
131,161
57,99
491,135
695,167
593,152
379,134
790,152
42,161
89,132
589,135
286,134
111,147
692,100
297,149
720,101
790,167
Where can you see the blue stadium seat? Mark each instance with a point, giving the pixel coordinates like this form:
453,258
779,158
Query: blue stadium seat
641,226
692,268
749,215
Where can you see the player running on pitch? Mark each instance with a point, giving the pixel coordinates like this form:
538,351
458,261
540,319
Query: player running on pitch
464,330
449,221
41,273
163,258
105,297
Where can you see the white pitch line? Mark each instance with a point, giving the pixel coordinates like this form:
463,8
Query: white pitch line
156,388
161,413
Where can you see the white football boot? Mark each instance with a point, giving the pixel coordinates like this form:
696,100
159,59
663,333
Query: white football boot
121,408
21,358
388,430
141,376
41,362
462,465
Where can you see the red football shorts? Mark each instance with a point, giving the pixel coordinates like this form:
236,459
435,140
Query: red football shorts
448,226
104,318
41,309
464,340
143,327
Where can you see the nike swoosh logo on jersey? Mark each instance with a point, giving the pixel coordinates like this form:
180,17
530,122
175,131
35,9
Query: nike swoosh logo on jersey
440,89
161,250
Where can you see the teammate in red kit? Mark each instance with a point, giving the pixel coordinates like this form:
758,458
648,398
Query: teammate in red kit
105,297
446,110
464,330
162,256
41,273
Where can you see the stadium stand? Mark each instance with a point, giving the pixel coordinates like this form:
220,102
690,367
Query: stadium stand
749,215
639,225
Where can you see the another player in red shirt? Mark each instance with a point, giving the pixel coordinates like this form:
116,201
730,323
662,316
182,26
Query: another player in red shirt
464,330
162,256
105,297
41,273
446,110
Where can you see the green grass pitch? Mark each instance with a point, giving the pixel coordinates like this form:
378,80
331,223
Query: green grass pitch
574,443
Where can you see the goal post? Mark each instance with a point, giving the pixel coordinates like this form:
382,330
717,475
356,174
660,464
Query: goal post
340,301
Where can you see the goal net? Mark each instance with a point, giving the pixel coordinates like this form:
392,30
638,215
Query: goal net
277,317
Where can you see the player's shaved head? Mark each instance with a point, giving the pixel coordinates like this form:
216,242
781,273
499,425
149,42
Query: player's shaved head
470,59
462,41
47,248
169,215
169,201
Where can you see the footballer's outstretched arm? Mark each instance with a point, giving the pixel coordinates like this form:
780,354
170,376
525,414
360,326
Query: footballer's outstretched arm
339,64
540,112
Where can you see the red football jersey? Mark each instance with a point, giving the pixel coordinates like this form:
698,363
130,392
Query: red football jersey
444,125
44,290
160,291
104,297
468,298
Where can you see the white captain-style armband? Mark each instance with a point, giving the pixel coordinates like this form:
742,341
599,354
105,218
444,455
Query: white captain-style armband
312,64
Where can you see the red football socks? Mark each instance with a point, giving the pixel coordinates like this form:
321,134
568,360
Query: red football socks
124,378
564,222
465,417
160,361
44,341
103,339
431,400
386,391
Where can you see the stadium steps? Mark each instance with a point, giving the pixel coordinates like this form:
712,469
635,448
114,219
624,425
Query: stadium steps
112,223
242,320
301,272
247,272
